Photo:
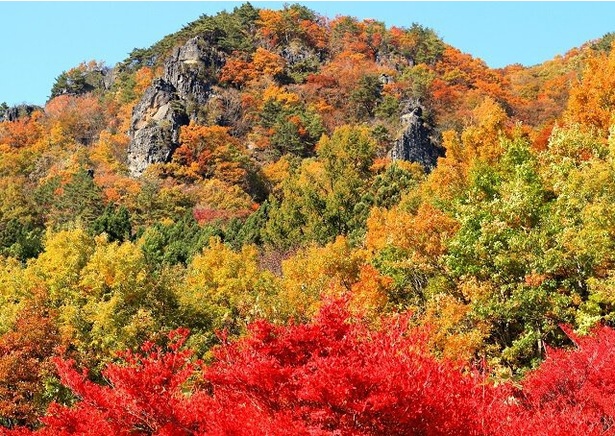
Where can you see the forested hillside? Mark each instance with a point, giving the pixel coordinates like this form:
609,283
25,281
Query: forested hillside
274,222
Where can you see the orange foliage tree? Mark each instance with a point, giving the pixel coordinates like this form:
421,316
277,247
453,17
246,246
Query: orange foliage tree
24,132
263,63
292,23
210,151
25,363
592,101
462,82
76,118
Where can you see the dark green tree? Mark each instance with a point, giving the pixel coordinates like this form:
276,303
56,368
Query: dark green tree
176,243
605,43
21,238
78,200
70,82
287,136
80,80
115,222
366,97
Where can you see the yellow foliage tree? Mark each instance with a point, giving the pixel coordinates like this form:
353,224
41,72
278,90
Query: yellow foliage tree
226,289
117,302
454,334
315,272
422,235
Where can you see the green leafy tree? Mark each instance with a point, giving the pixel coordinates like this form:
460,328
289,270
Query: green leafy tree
70,82
508,258
21,239
21,226
248,231
605,43
296,129
429,47
319,202
366,97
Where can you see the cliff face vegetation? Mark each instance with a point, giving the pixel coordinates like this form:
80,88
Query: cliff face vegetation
274,222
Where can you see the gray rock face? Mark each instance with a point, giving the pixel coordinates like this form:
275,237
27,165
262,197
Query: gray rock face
189,69
154,131
19,111
295,53
169,103
108,78
415,144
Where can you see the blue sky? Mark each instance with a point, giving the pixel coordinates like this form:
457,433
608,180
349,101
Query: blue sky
42,39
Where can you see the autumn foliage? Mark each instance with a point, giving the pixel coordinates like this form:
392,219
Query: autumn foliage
572,391
328,288
333,375
25,363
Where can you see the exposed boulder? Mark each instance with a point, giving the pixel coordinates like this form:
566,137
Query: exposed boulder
19,111
416,143
154,132
108,78
171,102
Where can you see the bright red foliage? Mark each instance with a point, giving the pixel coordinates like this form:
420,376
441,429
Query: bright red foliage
144,396
328,377
573,391
335,376
338,377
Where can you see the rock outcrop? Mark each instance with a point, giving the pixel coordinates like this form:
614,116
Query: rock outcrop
19,111
154,131
171,102
415,143
191,68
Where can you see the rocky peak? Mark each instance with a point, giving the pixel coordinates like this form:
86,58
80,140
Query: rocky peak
190,67
171,102
415,143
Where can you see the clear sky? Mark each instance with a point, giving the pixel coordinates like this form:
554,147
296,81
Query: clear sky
40,40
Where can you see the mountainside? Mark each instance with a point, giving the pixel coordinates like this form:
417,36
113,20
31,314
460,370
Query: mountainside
309,195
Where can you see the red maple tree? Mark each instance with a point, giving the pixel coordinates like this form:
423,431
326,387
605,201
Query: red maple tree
334,375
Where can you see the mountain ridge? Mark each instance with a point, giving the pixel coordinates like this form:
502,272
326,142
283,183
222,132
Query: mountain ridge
263,174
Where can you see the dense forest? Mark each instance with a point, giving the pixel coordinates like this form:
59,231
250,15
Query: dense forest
274,222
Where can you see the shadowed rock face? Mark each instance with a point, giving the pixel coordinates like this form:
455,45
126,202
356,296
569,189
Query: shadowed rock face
19,111
415,144
169,103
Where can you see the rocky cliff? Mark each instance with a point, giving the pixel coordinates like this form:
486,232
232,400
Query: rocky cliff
171,102
415,143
